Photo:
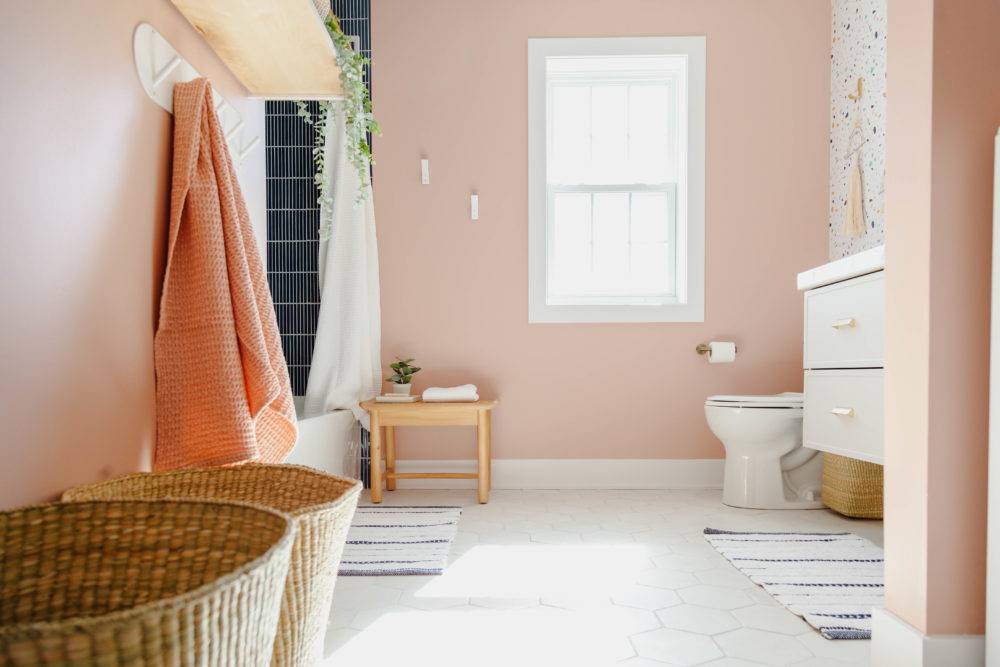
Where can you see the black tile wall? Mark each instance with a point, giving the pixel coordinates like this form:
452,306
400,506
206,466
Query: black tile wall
293,214
292,235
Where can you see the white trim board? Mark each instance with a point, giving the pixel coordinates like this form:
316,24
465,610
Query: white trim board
572,473
993,487
896,643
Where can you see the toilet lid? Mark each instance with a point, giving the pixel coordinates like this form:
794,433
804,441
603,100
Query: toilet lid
788,399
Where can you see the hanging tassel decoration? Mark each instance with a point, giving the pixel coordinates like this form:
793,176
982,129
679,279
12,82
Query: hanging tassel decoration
854,215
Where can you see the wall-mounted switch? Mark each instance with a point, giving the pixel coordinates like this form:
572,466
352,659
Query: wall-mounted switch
425,172
474,202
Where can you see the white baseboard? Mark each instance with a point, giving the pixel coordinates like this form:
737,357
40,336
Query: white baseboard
896,643
573,473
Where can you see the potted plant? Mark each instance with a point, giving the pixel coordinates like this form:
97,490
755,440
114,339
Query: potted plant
402,376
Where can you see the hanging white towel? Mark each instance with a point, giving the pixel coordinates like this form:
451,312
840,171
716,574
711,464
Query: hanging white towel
854,215
466,393
346,362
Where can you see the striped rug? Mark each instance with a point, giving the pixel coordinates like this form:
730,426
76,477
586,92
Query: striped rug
832,580
387,540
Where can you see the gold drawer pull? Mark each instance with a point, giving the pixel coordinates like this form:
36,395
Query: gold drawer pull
846,323
843,412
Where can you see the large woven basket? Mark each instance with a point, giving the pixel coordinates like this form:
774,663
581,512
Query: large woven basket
321,505
141,583
852,487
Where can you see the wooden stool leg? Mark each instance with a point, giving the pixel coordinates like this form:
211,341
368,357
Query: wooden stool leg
390,457
376,457
483,431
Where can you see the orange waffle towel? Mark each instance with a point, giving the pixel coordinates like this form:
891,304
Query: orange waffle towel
222,389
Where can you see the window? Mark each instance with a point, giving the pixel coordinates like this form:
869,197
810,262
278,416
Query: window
616,179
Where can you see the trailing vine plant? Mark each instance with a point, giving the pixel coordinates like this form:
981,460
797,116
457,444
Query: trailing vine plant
358,119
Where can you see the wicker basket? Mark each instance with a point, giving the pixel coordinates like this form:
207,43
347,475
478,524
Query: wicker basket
852,487
322,506
141,583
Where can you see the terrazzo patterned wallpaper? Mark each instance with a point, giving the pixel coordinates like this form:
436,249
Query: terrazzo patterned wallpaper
858,50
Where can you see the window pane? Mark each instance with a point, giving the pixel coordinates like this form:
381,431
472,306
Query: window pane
570,134
651,266
608,134
572,219
611,245
611,218
649,122
650,217
572,248
613,119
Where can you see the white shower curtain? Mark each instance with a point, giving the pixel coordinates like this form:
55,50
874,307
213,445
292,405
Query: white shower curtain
346,363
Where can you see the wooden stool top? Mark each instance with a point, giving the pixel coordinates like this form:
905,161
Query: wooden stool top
420,404
429,413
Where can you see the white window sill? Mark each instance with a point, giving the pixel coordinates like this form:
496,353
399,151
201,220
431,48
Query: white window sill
542,313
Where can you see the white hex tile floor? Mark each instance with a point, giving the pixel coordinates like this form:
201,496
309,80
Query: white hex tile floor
760,646
771,619
702,620
584,578
676,647
715,597
645,597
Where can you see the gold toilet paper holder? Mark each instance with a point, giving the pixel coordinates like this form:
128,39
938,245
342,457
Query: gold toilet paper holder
704,348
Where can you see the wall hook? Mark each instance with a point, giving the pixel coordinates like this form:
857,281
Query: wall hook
861,89
160,66
162,75
249,147
234,131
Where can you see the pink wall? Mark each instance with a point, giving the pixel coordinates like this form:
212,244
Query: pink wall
944,109
907,384
451,85
83,205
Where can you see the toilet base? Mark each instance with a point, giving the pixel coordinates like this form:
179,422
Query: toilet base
767,467
757,482
786,505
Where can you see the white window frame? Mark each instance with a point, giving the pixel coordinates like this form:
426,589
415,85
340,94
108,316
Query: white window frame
689,304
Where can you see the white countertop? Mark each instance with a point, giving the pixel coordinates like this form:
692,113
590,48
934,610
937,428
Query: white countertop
868,261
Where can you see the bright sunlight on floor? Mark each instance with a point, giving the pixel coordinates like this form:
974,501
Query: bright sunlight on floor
584,578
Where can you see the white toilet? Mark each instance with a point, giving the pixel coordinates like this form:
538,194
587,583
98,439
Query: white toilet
766,465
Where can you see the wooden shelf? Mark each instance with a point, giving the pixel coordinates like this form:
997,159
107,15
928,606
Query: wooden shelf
278,49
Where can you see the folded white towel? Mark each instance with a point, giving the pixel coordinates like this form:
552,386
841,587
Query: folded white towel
465,393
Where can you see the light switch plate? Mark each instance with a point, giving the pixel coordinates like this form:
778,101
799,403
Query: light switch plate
474,201
425,171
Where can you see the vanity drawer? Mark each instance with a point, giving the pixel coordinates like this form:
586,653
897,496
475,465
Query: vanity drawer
845,324
843,413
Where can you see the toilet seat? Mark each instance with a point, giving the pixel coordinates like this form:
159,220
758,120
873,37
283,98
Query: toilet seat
788,399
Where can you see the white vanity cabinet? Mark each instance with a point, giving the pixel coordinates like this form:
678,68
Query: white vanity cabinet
844,356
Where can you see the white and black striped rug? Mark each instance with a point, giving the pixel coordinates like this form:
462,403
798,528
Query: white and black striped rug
386,540
832,580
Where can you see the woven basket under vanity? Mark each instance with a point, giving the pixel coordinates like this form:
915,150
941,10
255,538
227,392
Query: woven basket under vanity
852,487
141,583
321,506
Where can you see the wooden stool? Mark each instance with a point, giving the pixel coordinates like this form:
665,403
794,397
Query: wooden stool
419,413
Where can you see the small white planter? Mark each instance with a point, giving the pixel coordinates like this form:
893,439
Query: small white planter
403,389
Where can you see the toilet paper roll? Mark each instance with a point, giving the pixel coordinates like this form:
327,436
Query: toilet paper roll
721,352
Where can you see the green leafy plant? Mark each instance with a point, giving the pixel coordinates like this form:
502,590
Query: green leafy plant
358,118
403,371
